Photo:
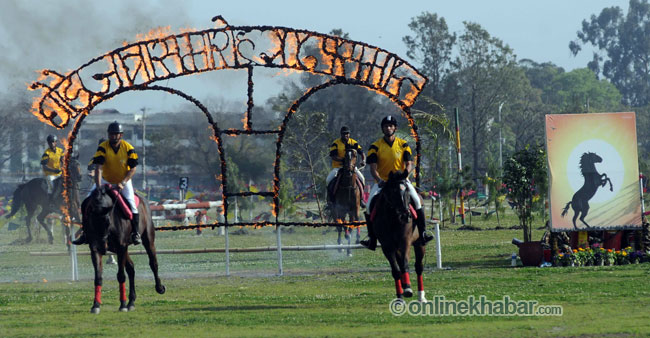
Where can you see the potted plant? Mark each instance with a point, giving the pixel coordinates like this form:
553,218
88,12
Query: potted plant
610,257
600,254
523,174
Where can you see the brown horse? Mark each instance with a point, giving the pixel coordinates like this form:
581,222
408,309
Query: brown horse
394,227
33,194
348,197
108,228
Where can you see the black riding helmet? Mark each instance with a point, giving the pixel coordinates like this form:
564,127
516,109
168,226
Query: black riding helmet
390,119
115,128
345,130
51,138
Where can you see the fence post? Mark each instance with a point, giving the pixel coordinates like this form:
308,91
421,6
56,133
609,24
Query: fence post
278,231
73,258
227,251
438,249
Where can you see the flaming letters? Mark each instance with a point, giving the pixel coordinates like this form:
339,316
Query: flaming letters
136,65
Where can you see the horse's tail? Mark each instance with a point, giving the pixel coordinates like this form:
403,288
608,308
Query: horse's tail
566,209
17,202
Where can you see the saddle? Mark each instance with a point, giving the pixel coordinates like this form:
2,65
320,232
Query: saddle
122,204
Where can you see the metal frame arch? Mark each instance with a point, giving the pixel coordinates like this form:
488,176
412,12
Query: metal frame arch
79,122
136,66
298,102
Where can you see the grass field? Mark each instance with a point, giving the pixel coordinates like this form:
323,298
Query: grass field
323,293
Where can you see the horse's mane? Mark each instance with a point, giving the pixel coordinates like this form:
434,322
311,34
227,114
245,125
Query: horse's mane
586,163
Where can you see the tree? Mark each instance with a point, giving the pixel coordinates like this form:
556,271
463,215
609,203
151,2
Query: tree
523,174
431,47
485,76
305,144
580,91
626,42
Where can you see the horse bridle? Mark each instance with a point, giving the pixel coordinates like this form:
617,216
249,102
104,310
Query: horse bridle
403,200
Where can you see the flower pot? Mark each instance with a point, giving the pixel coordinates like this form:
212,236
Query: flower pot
531,253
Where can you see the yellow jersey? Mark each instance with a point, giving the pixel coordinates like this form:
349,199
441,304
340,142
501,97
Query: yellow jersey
389,157
52,159
115,163
338,149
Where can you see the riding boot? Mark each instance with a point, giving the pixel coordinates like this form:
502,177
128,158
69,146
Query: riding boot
371,242
81,239
135,235
420,222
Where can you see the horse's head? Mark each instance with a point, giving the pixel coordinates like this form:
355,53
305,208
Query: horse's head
350,159
100,201
396,194
587,161
97,217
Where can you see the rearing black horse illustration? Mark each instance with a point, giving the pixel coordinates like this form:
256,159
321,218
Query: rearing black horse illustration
580,201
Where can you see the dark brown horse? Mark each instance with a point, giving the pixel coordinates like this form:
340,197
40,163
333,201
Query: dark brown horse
33,195
348,197
108,228
394,227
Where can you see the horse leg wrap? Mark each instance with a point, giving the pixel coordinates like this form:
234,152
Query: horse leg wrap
98,294
420,283
406,279
122,292
398,288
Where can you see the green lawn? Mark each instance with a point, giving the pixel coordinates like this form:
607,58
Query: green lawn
323,293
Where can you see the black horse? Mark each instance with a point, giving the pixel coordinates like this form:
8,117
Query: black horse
347,198
33,194
593,180
396,231
108,228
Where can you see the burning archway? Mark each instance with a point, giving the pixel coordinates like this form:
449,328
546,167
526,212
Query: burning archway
156,57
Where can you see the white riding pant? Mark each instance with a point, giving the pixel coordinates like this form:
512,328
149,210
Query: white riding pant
334,171
49,179
127,192
411,189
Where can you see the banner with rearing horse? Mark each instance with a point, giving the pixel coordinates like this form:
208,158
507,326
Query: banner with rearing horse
593,171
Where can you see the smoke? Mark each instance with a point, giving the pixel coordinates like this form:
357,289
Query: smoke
63,35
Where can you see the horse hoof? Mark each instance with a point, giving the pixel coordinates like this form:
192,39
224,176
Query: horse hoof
161,289
408,292
94,310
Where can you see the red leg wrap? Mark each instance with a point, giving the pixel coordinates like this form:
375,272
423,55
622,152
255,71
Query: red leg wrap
122,292
398,287
406,280
98,294
420,283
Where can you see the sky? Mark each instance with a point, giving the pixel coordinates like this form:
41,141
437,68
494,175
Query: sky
63,35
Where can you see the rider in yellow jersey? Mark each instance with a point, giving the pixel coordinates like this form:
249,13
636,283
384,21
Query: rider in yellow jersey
389,154
115,162
51,163
337,152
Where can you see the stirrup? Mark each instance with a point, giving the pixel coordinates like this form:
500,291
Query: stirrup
135,238
370,244
81,240
425,238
